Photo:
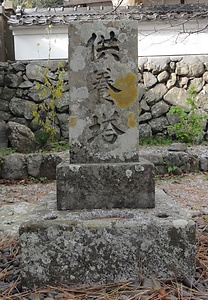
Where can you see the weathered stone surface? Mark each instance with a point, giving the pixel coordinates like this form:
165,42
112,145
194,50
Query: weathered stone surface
154,158
18,66
145,117
22,108
12,216
183,82
172,119
178,159
197,83
4,116
177,147
64,124
172,81
100,246
163,76
34,162
88,186
2,80
205,76
4,65
21,137
149,79
13,167
202,99
7,93
26,84
49,164
19,120
202,113
172,64
145,130
13,80
190,66
62,103
177,96
157,65
3,135
141,62
155,94
159,109
104,128
158,124
144,106
35,72
37,95
204,164
4,105
27,89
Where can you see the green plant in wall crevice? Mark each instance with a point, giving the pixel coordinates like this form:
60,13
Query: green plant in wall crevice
189,128
45,113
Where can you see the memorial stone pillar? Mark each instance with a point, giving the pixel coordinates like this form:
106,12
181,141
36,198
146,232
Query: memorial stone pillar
104,169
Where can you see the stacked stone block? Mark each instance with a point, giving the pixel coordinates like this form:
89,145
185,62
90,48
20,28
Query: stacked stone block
162,82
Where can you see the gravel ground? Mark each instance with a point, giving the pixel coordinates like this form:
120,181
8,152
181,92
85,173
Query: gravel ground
190,191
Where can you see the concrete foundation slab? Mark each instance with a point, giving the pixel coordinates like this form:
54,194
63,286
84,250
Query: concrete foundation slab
97,246
107,186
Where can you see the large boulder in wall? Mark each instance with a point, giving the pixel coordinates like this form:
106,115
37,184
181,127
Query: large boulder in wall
21,137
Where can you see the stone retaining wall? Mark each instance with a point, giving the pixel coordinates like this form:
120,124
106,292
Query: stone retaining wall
163,82
176,159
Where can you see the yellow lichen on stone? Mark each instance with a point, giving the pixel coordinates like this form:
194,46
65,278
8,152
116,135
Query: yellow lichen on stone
72,121
131,120
124,90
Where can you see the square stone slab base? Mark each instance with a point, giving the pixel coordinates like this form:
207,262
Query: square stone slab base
107,185
83,248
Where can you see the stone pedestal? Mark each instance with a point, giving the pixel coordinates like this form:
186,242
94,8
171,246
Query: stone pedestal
83,248
107,186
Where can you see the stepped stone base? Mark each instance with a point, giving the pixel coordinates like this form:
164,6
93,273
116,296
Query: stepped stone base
107,185
82,248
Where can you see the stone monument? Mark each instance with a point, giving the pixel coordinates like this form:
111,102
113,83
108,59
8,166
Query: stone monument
104,170
110,225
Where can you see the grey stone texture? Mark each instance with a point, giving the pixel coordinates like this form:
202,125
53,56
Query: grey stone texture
19,96
172,77
3,135
104,93
190,67
93,247
34,163
37,165
22,108
14,167
21,137
107,186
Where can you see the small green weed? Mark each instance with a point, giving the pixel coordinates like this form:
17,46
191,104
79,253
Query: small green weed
43,179
155,141
60,146
206,219
172,169
189,128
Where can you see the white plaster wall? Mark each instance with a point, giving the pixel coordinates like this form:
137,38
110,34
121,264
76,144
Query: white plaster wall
36,43
154,39
173,38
